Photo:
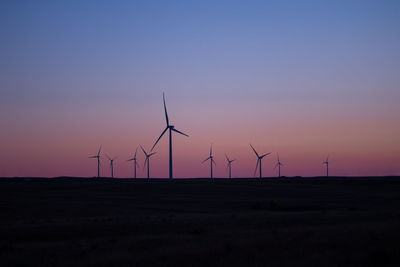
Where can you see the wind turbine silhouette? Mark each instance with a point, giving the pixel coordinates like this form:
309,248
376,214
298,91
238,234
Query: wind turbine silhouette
211,158
134,162
229,165
147,161
170,128
327,166
98,161
279,164
259,158
111,165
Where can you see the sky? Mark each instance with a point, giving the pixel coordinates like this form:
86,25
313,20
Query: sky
305,79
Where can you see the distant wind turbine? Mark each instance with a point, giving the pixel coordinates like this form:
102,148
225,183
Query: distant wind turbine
229,165
170,128
327,166
147,161
259,158
98,161
134,163
111,165
279,164
211,158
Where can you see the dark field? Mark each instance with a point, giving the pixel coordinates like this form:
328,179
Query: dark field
243,222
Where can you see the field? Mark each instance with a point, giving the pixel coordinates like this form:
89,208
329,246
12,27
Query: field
238,222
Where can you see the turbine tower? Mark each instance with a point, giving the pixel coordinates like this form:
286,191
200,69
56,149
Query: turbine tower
98,161
211,158
170,128
229,165
327,166
134,163
279,164
112,165
259,158
147,161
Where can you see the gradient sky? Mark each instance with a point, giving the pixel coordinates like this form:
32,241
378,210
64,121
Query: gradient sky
306,79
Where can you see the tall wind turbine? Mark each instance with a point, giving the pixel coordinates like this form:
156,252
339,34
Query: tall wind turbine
147,161
112,165
170,128
134,163
211,158
327,166
279,164
229,165
259,158
98,161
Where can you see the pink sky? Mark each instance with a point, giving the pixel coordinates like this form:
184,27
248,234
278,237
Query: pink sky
55,142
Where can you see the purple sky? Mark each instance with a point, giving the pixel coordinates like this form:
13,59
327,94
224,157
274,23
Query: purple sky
305,79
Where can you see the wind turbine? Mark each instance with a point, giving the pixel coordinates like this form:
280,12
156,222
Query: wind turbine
170,128
134,162
327,166
111,165
259,158
98,161
147,161
211,158
279,164
229,165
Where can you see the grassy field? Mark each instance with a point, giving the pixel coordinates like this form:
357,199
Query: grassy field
238,222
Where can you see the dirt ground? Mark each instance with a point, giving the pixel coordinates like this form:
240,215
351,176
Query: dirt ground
238,222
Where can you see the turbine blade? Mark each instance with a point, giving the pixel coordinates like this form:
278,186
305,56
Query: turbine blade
165,109
145,162
213,161
205,159
175,130
254,150
108,157
92,157
143,150
159,138
255,170
130,159
135,152
98,153
210,150
227,158
151,154
265,155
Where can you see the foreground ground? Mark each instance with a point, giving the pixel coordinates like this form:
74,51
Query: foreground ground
243,222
